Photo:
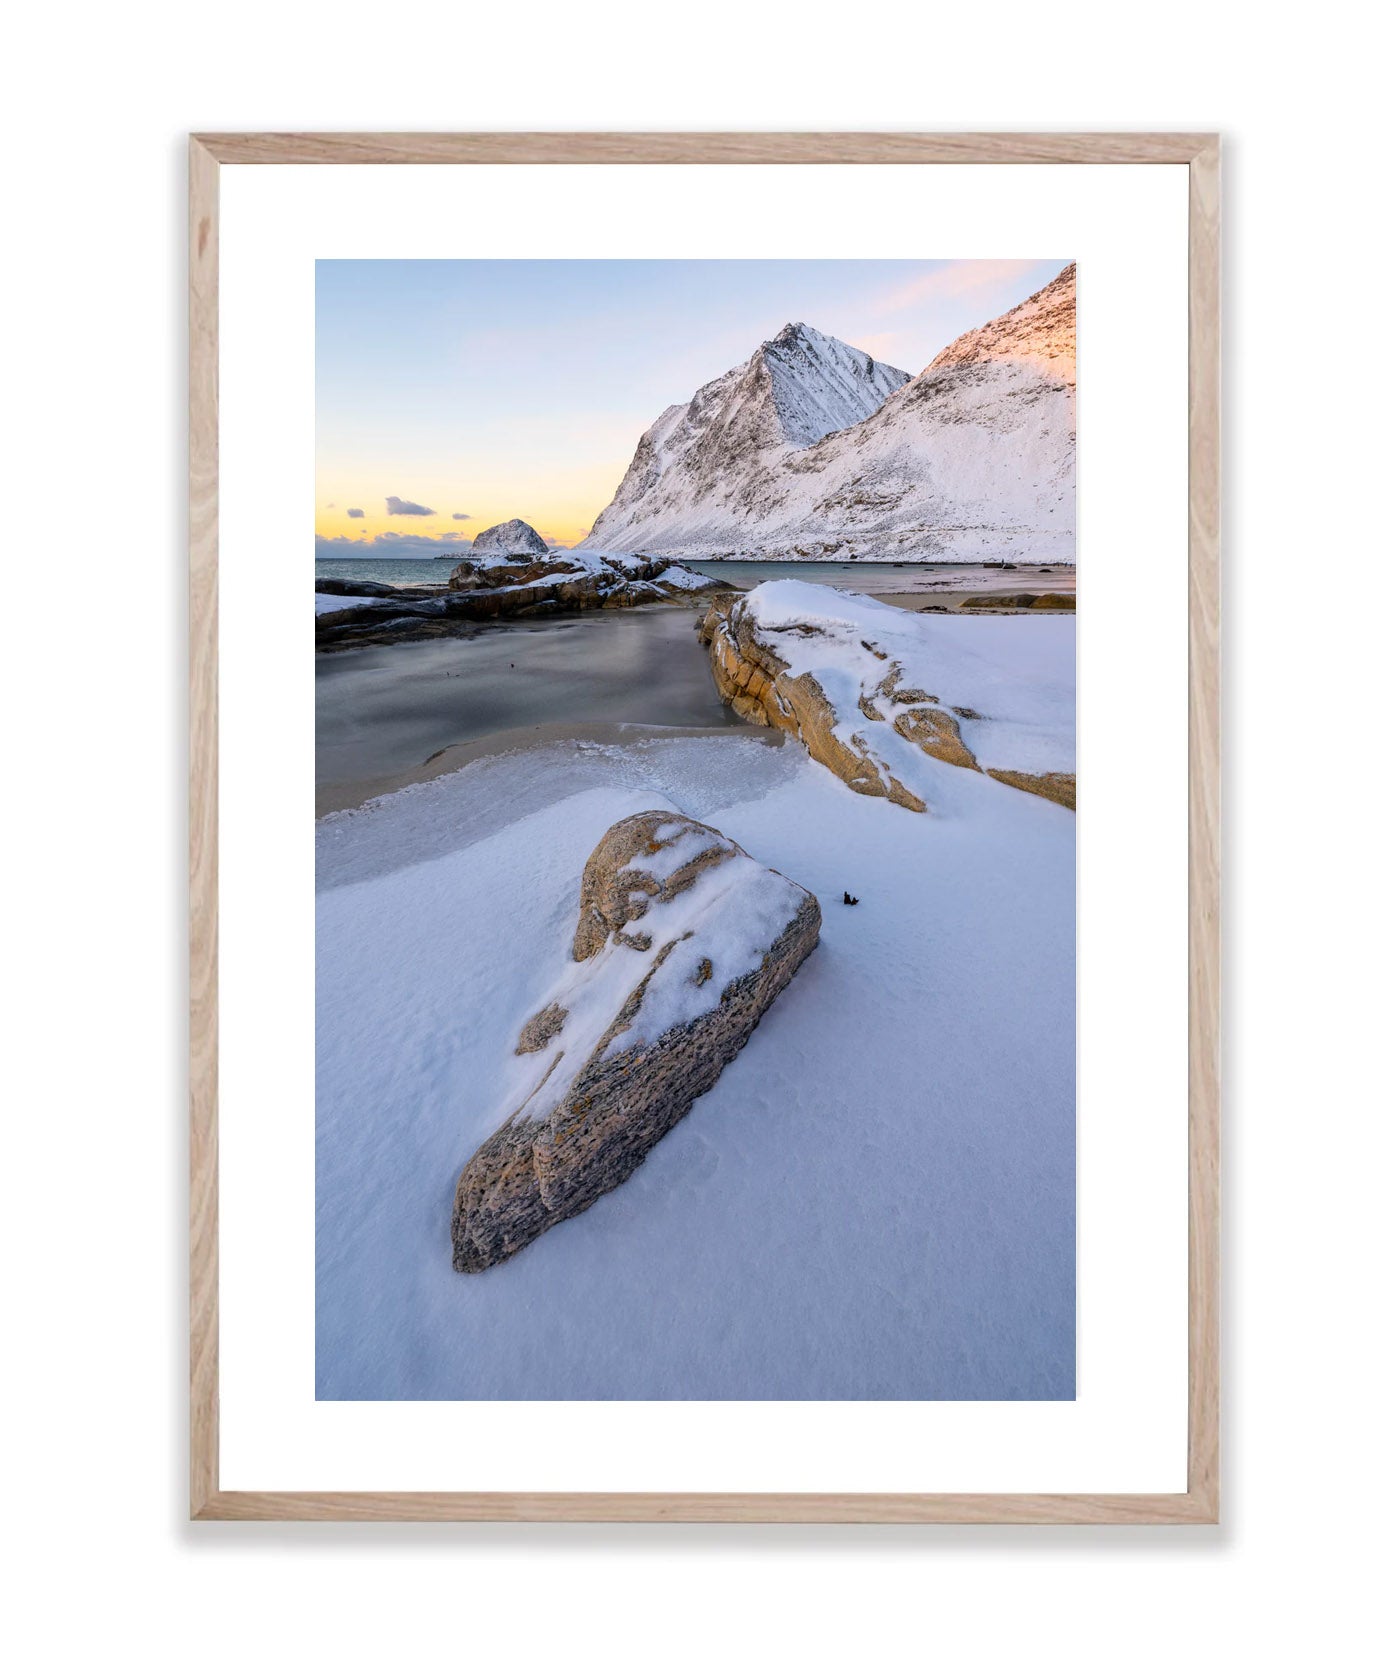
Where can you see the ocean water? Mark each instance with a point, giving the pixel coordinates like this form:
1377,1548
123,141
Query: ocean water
403,574
383,711
871,577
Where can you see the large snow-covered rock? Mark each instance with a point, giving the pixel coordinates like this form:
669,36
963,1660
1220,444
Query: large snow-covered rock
820,452
683,941
512,536
874,693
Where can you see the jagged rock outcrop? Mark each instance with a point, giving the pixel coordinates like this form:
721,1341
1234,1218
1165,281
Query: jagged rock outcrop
972,460
502,571
527,586
512,536
874,693
683,941
574,581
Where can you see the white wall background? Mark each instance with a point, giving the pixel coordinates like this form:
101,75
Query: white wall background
98,101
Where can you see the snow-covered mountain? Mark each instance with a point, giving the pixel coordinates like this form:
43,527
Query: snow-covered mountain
687,474
813,450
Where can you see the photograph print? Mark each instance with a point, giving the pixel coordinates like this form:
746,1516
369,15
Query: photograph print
695,830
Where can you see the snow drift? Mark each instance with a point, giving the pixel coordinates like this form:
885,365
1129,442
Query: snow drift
875,1201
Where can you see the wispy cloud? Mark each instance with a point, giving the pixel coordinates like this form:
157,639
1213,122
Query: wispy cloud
407,510
957,280
354,513
461,516
390,545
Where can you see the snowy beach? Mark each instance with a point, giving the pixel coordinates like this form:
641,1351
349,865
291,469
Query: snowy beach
876,1200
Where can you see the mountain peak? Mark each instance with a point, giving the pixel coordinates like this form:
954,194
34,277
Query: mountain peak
795,389
819,384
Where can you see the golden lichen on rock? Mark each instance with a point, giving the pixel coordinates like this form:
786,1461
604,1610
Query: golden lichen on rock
1058,785
540,1028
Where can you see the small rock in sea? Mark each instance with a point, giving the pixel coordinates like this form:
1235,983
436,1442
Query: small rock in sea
512,536
638,1027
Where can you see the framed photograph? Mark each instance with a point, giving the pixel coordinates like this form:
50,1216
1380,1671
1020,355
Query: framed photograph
677,1033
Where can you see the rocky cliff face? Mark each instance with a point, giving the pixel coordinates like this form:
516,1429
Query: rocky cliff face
972,460
682,942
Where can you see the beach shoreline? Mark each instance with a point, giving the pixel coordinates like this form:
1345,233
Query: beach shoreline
443,728
337,798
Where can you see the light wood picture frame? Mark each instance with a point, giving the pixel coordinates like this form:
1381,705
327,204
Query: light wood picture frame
1200,153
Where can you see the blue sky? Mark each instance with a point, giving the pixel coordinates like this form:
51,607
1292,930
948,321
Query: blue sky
476,391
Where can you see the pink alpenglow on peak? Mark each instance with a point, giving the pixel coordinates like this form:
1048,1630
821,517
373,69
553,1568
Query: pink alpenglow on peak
1038,333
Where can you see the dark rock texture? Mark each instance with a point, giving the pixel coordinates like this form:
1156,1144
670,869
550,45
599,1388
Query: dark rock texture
508,586
1052,601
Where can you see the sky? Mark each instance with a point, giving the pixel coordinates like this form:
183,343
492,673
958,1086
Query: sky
451,395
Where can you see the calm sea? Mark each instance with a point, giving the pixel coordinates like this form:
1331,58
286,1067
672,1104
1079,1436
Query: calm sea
382,711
